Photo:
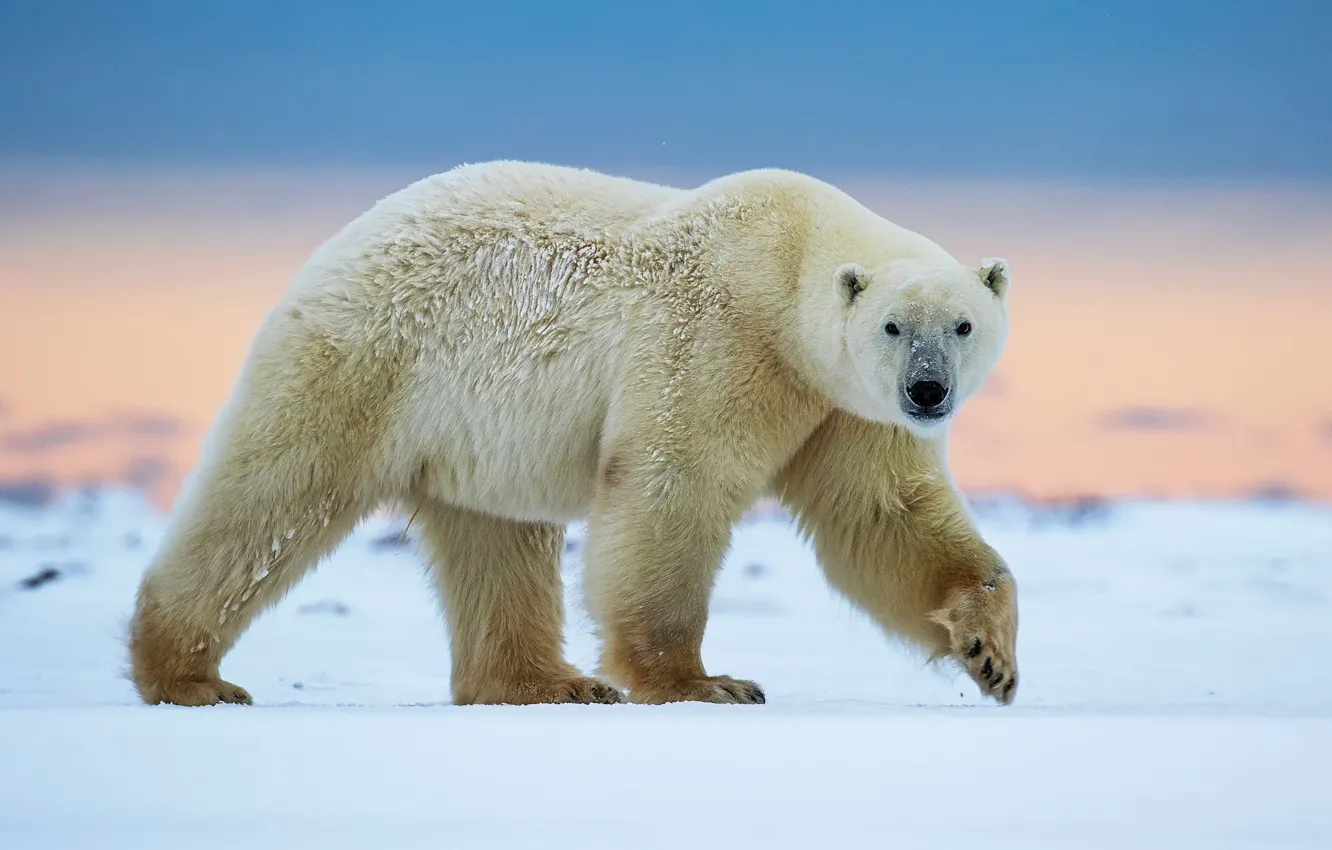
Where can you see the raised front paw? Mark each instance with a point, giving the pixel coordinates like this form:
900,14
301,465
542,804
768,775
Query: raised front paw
719,689
982,630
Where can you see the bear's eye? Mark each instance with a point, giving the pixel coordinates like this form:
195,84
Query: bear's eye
964,329
891,328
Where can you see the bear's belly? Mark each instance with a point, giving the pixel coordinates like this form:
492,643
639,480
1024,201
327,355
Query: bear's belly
521,442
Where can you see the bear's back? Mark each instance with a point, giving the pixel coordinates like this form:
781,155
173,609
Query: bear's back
550,198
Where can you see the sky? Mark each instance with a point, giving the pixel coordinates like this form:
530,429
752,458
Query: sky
1159,174
1200,89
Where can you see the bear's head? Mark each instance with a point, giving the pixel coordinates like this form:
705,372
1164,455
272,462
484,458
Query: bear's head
921,337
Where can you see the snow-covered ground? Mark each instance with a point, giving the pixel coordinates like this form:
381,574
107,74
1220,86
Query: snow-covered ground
1176,692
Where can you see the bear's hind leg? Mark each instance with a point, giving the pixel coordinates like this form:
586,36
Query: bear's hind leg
499,583
251,526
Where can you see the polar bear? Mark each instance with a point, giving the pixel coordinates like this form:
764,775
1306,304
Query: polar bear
507,347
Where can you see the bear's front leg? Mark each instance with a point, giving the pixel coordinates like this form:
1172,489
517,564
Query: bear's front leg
892,533
922,571
656,539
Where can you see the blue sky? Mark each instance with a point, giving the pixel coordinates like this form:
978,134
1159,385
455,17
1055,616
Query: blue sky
1141,89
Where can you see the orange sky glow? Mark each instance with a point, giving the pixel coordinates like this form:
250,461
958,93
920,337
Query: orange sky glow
1166,341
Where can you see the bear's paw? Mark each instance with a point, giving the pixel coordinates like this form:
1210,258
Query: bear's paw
716,689
582,690
196,693
982,632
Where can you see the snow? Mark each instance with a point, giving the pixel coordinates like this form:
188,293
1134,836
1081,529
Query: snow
1174,694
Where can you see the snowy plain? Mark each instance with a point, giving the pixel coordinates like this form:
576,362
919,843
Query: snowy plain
1175,693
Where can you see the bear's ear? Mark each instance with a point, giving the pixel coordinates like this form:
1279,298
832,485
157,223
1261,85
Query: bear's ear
994,274
851,280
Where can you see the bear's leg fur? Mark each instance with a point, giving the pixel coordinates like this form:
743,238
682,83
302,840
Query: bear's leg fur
282,483
242,539
651,561
499,583
892,534
650,593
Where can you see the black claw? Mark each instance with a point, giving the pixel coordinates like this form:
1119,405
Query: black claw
235,696
996,679
1008,688
987,669
975,649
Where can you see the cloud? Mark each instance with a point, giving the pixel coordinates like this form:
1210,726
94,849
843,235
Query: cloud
1276,491
54,435
153,426
62,434
1157,419
29,492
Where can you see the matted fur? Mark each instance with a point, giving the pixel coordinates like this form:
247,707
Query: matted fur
507,347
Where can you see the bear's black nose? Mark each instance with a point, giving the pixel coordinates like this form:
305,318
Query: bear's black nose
927,393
